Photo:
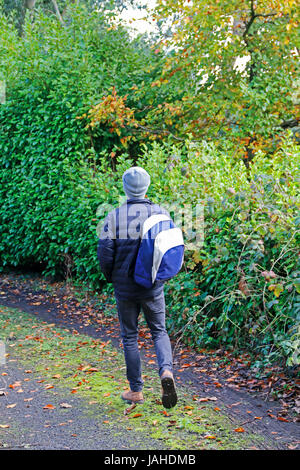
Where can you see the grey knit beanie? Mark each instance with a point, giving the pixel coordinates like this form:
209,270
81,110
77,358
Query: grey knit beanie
136,181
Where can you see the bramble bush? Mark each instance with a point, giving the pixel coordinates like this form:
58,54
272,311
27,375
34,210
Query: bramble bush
241,288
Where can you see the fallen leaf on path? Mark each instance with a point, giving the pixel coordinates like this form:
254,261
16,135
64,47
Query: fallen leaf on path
129,409
49,386
16,384
218,385
208,399
239,430
171,423
293,447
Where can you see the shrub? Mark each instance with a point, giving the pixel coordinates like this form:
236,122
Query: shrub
242,287
49,190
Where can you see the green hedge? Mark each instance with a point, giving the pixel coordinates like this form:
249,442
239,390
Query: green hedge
48,189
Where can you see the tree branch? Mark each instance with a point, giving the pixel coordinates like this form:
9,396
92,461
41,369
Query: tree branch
30,4
57,12
246,32
260,15
253,17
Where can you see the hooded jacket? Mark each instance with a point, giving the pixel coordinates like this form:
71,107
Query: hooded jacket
118,248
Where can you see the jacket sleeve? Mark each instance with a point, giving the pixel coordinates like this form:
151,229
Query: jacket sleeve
106,248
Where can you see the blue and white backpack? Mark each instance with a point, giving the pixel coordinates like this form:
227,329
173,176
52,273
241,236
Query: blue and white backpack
161,251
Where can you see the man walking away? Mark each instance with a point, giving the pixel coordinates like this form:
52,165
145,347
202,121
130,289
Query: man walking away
117,252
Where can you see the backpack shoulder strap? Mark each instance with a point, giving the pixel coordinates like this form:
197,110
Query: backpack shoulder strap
151,221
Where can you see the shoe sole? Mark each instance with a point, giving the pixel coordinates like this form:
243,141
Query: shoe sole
169,395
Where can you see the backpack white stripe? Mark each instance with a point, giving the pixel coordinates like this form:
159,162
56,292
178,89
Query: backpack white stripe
164,241
153,220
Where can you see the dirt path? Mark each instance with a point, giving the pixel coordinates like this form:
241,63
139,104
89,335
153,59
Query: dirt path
73,427
68,425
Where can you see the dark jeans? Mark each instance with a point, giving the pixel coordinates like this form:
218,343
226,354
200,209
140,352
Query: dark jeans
154,311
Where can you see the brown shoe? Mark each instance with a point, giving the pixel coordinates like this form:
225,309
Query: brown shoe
169,395
132,397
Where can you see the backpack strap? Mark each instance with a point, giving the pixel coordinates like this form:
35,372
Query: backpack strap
151,221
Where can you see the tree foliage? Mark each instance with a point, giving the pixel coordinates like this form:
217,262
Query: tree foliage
228,72
18,8
219,99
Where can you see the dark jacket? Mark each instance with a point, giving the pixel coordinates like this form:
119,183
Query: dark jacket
118,247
